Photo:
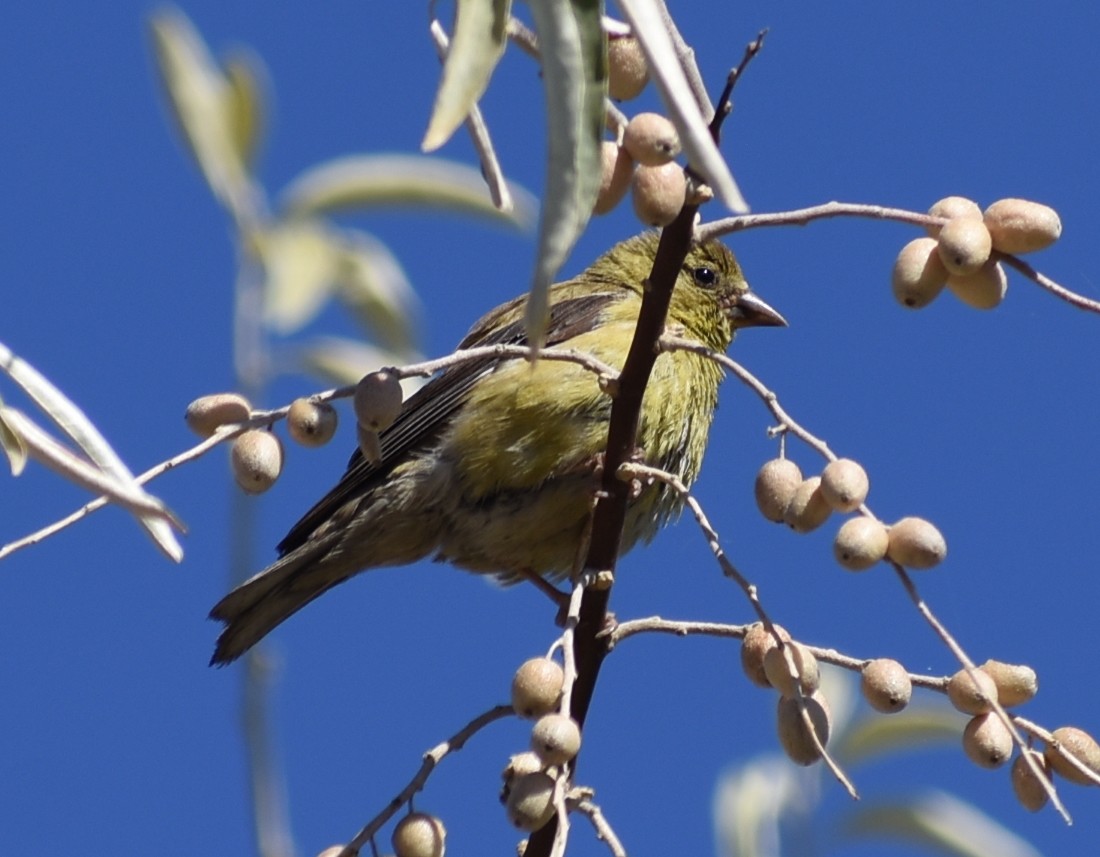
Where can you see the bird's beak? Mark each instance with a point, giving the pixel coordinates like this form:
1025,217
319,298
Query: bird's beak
749,311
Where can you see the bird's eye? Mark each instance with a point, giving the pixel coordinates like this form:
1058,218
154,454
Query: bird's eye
704,276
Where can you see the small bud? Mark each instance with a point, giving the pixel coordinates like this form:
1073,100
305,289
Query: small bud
1028,788
556,738
972,692
658,193
860,543
206,414
616,168
919,273
794,737
257,460
844,484
419,835
537,687
984,289
915,543
377,400
651,139
1079,744
778,671
1016,683
311,423
807,510
775,485
952,207
758,641
886,685
987,741
530,801
1022,226
964,245
627,70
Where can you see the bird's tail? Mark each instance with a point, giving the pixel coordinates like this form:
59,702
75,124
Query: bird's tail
275,594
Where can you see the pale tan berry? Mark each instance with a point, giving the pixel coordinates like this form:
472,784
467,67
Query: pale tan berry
808,509
1029,789
972,692
919,273
419,835
369,444
377,400
658,193
964,245
311,423
332,851
844,484
651,139
616,168
987,741
556,738
984,289
916,543
951,207
527,762
206,414
778,669
530,801
758,641
775,485
1022,226
1016,683
885,685
860,543
1079,744
627,69
794,737
257,460
537,687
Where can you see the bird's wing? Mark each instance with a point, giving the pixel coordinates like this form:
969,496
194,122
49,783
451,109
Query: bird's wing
429,409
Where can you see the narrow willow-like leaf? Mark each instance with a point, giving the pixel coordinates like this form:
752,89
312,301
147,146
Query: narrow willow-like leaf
344,361
911,729
373,285
72,420
574,76
246,79
199,97
941,822
301,262
478,43
368,181
12,444
664,67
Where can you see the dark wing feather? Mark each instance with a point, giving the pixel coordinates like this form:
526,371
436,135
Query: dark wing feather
429,409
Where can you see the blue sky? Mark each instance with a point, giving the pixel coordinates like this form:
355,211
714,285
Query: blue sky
114,734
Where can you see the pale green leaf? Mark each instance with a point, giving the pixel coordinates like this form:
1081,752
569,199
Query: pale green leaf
574,75
940,822
370,181
909,730
684,111
246,80
373,285
480,36
200,98
12,444
344,361
301,260
72,420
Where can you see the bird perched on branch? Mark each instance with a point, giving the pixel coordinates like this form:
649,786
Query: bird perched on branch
492,465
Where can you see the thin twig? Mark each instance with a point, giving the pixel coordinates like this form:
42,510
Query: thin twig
604,831
432,758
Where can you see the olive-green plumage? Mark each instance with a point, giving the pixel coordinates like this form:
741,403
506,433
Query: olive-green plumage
491,465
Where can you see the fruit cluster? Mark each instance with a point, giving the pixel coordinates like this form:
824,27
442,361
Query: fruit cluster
962,254
642,159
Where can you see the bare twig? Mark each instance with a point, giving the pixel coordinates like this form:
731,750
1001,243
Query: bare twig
604,831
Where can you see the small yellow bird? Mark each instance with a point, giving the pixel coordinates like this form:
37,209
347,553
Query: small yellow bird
491,466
